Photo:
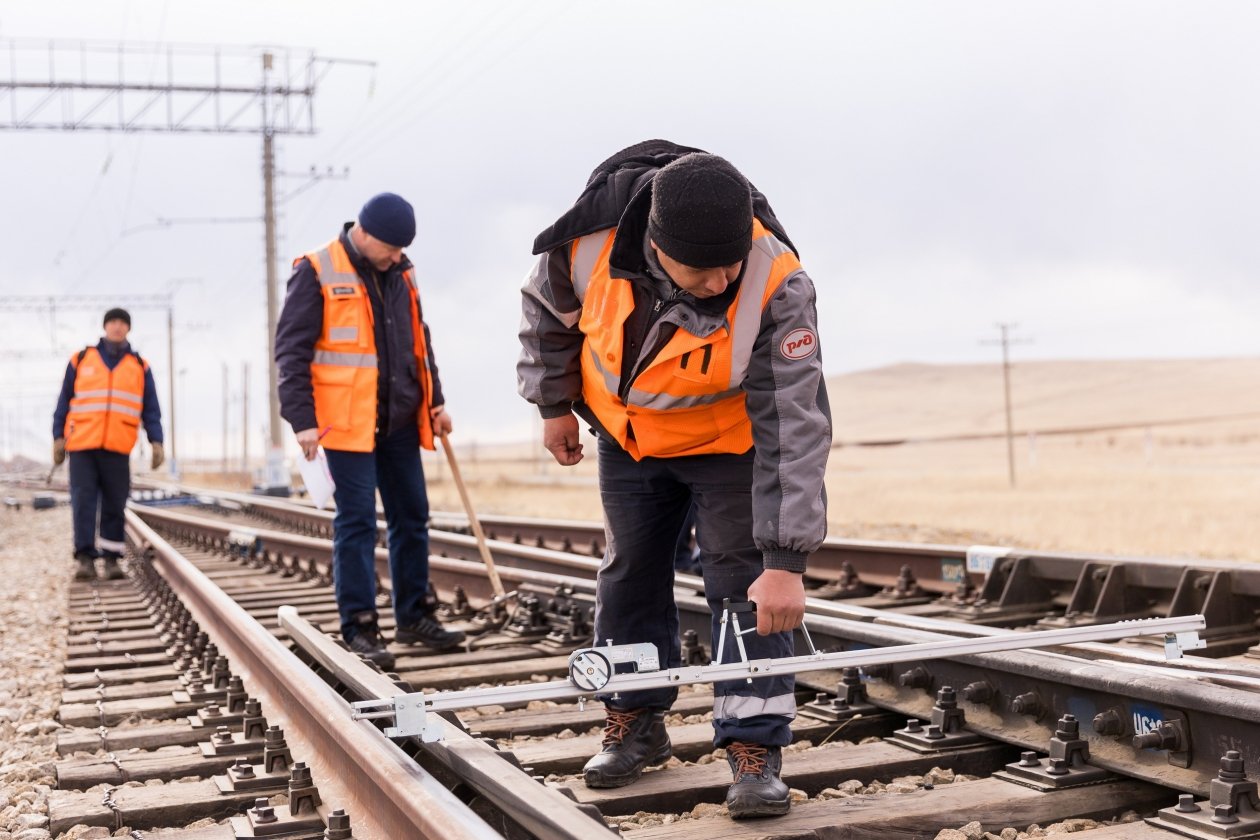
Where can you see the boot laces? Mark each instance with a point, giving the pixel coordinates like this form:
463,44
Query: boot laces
750,759
617,726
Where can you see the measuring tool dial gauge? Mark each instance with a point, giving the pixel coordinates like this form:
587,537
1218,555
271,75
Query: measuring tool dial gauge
589,670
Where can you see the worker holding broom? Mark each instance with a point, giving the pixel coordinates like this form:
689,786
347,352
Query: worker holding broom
358,377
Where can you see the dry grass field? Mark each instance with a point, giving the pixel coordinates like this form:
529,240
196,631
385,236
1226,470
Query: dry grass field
1143,484
1146,457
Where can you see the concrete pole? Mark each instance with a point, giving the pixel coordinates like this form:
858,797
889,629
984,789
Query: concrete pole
273,303
226,397
170,361
277,476
245,418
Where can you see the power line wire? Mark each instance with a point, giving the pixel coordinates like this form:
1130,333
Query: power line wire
386,111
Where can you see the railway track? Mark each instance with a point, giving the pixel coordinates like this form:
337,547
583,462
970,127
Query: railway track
199,622
1025,587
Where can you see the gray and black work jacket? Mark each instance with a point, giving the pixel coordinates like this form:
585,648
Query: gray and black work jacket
784,391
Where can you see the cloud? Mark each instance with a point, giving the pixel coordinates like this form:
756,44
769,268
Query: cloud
1084,169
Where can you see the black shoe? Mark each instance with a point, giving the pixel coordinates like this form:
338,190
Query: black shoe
429,633
367,643
86,568
633,740
112,570
758,791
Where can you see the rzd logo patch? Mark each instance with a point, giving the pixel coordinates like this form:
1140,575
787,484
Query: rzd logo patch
800,343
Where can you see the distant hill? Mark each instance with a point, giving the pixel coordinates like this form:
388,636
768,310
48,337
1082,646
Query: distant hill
20,465
918,401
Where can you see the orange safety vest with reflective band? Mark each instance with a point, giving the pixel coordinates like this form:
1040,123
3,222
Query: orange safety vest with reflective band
106,406
689,399
344,371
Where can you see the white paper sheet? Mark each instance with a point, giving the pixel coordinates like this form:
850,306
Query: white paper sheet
317,478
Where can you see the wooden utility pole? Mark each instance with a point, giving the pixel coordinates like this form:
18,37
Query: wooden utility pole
1006,342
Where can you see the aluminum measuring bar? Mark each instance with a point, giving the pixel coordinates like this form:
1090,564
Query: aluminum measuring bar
409,710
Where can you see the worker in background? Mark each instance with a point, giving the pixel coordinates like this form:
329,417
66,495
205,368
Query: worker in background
107,394
358,377
669,311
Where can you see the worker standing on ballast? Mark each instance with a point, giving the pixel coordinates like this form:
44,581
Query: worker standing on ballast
359,378
107,394
669,311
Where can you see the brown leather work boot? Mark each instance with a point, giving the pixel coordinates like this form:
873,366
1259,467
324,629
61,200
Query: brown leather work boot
758,791
633,740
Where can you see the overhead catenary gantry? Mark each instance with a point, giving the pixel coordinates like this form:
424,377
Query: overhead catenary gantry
50,85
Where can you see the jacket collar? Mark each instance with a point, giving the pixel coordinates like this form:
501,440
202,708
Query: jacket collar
106,349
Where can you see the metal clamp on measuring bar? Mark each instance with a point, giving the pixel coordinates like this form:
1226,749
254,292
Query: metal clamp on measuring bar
593,669
730,615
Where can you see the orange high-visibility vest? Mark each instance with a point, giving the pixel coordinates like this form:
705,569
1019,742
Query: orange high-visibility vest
344,372
689,399
106,406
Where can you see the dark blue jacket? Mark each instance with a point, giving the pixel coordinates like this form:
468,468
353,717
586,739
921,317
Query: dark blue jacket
150,413
398,386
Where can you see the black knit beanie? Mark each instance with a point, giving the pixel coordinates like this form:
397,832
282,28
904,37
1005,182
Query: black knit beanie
117,314
701,211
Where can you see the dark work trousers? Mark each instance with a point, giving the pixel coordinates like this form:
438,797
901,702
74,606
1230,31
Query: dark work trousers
100,480
395,468
645,505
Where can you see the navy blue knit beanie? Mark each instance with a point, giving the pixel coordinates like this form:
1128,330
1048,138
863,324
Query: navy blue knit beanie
701,212
390,219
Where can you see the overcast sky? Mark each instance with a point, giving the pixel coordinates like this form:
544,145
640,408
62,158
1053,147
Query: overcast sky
1085,169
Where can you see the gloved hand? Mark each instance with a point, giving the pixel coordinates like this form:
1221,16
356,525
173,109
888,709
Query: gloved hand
59,451
159,455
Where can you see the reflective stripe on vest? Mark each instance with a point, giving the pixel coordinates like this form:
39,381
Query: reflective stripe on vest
689,399
751,302
356,360
344,366
91,408
106,406
585,257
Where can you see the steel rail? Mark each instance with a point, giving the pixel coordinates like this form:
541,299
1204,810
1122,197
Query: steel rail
1064,679
878,563
468,573
541,810
521,563
542,567
356,767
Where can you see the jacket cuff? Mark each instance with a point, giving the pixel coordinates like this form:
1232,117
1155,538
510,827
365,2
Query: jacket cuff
303,421
550,412
783,560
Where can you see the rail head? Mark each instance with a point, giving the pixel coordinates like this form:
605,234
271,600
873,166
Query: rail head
396,798
541,810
